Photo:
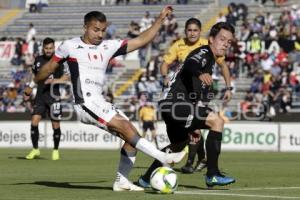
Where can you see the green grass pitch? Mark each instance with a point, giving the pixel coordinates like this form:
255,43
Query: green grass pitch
89,175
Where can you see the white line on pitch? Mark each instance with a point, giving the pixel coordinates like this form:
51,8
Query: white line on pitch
262,188
239,195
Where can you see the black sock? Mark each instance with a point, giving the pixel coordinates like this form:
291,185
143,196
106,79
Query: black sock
200,150
153,166
35,136
170,148
147,175
193,147
56,137
213,149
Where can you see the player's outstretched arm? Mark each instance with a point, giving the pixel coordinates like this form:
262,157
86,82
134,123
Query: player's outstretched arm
46,70
147,36
64,78
226,75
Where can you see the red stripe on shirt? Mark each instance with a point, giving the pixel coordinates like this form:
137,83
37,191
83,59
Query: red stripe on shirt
72,59
124,43
102,121
56,58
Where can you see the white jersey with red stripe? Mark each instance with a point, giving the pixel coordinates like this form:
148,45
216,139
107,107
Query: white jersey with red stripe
87,65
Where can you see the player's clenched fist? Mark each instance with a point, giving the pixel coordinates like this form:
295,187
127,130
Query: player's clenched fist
166,11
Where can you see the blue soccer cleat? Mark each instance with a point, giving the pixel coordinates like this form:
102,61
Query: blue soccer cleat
143,183
218,179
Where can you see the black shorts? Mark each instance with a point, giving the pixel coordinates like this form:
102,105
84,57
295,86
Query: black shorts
181,118
148,125
43,105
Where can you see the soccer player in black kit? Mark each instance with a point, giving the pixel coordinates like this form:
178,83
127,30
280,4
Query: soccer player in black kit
184,105
47,100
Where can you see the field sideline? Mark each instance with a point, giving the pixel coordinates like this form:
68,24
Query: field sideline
89,175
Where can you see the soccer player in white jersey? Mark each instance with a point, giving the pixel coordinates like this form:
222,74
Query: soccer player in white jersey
88,57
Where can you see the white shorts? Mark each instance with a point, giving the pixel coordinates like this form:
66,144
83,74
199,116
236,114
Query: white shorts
97,113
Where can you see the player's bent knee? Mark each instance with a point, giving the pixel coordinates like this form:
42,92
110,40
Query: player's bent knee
123,127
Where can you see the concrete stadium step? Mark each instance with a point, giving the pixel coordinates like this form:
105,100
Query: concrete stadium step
131,7
65,3
63,19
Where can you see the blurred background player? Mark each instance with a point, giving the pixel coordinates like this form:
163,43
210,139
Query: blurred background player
46,100
147,118
178,53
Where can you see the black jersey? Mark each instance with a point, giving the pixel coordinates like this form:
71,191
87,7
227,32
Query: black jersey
44,89
185,84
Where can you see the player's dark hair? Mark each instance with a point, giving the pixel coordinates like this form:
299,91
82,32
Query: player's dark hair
221,25
94,15
47,41
192,21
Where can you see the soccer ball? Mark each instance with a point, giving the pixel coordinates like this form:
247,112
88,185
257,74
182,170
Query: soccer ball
164,180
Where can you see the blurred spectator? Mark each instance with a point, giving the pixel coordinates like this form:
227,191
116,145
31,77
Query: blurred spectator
266,62
2,107
152,67
221,18
33,47
17,59
11,92
151,2
31,33
260,18
232,15
255,44
147,121
243,34
256,27
144,52
141,85
170,25
111,32
153,88
134,30
242,11
146,21
36,5
269,20
182,1
119,1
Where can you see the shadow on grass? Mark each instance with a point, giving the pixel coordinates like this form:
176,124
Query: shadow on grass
66,185
23,158
201,188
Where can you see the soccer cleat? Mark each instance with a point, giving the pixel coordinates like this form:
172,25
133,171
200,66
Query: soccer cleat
172,158
187,169
34,153
55,154
143,183
126,186
218,179
200,166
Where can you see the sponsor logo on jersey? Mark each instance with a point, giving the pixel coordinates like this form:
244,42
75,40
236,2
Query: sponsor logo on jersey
204,61
105,47
80,47
189,121
92,82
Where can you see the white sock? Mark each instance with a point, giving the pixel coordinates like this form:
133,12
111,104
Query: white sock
148,148
126,163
